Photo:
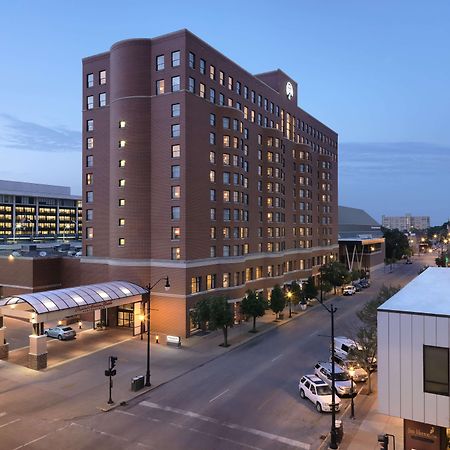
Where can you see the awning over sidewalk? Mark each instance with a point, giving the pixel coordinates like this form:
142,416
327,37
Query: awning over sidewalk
76,297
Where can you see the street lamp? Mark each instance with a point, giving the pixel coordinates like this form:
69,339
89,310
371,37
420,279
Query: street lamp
351,372
147,301
331,310
289,296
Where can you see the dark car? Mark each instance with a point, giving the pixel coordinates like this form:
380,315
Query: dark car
364,284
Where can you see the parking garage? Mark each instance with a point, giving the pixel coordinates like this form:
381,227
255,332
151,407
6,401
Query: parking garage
116,303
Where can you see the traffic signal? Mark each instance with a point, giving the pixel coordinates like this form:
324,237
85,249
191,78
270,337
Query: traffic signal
383,440
112,361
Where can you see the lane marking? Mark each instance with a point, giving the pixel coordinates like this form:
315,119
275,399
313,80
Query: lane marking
276,357
9,423
232,426
40,438
2,414
220,395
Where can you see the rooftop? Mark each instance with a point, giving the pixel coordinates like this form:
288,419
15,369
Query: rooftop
428,293
36,190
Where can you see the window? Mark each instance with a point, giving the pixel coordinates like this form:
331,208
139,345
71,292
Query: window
202,90
89,161
226,122
122,163
89,178
176,58
212,195
175,151
221,99
226,177
89,250
121,242
176,83
202,66
175,213
226,280
121,182
122,143
122,124
176,233
226,250
89,233
435,370
175,253
212,95
226,141
90,80
175,172
212,120
221,78
176,192
102,77
212,176
121,222
175,112
212,72
121,202
90,102
230,83
102,99
90,125
159,87
212,251
212,232
212,138
191,85
226,214
212,213
89,214
175,130
191,60
89,197
160,62
90,142
226,159
211,281
196,284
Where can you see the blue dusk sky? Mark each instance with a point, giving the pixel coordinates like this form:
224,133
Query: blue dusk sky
378,73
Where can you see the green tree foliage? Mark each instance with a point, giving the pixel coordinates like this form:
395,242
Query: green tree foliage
254,305
397,244
277,300
355,275
335,273
296,293
309,289
201,313
366,336
220,316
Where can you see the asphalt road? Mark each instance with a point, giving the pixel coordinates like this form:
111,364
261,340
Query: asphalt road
247,398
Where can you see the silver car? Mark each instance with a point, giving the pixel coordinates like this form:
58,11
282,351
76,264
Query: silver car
61,332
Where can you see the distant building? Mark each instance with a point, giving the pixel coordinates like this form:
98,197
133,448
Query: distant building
38,211
413,359
361,241
406,222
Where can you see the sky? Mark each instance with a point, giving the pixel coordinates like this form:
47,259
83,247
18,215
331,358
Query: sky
378,73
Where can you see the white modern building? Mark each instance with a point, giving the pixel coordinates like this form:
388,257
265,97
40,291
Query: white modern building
406,222
413,359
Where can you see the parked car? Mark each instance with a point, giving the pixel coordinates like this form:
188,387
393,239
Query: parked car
343,346
357,286
62,333
316,390
341,379
346,364
408,261
365,283
349,290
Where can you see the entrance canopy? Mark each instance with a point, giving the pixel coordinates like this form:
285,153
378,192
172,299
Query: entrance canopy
71,301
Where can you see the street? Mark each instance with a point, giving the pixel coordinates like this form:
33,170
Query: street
246,398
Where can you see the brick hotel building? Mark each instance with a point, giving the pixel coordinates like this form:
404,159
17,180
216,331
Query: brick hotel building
197,169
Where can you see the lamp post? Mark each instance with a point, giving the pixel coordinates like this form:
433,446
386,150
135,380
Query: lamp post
289,296
351,372
147,301
331,310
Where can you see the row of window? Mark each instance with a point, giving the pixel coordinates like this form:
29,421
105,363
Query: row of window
101,78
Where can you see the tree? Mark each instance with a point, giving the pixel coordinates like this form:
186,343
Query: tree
277,300
355,275
297,294
201,313
397,244
335,273
366,336
220,316
253,305
309,289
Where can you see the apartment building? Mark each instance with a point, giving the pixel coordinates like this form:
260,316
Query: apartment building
38,211
196,169
406,222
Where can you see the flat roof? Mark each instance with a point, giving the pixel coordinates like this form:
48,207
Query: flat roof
428,293
36,190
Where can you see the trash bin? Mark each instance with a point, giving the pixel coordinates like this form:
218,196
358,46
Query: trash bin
137,383
339,431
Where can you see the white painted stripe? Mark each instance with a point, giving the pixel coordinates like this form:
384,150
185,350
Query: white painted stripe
2,414
40,438
217,396
276,357
273,437
9,423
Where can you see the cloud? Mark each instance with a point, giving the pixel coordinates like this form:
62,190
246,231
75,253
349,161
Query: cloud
395,178
21,135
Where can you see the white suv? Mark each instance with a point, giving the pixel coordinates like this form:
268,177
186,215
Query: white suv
316,390
349,290
345,364
341,379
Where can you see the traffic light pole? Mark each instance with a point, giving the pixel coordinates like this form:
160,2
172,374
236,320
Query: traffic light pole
110,401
